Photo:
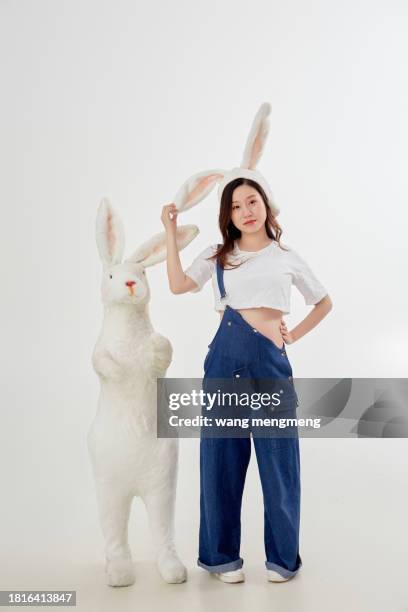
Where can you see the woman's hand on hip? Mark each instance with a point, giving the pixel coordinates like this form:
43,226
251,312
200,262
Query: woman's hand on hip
286,335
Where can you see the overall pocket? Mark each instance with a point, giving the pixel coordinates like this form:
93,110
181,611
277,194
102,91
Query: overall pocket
242,372
242,383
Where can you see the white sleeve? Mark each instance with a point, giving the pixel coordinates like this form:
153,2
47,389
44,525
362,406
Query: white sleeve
305,280
200,271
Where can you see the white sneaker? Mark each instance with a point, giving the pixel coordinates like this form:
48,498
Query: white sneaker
275,577
234,576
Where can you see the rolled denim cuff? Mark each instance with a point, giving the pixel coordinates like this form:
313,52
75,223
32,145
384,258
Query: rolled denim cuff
282,570
224,567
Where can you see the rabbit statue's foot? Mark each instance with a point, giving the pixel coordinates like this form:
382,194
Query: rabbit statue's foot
120,572
171,568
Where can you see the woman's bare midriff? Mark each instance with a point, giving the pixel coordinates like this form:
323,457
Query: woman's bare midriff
265,320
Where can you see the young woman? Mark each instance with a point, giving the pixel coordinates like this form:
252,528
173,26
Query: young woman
251,274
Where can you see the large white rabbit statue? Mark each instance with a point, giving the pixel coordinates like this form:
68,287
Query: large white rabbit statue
128,459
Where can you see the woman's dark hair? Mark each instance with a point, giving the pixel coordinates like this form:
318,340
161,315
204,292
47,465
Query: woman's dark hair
228,230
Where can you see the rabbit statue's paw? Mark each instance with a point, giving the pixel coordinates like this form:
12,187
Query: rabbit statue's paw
161,352
120,572
106,366
171,568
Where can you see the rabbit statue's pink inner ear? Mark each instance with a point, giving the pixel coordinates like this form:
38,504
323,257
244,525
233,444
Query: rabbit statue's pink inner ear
109,234
185,235
149,251
155,249
182,232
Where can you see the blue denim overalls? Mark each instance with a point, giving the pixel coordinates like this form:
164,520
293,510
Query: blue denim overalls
238,350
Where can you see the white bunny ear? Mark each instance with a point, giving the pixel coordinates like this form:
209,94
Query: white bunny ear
196,188
257,137
110,235
155,250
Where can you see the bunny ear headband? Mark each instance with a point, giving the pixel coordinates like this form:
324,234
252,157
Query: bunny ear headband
198,186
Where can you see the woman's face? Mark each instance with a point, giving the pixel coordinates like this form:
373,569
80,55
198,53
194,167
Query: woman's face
248,211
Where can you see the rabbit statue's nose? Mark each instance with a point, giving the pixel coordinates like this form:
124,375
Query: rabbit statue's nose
130,283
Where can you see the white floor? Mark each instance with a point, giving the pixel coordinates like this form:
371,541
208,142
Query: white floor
353,539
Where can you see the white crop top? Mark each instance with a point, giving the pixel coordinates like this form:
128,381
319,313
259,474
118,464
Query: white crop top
263,280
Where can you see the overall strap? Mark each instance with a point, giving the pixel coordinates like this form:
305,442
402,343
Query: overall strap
220,280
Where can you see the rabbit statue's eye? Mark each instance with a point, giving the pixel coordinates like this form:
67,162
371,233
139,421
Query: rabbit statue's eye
110,276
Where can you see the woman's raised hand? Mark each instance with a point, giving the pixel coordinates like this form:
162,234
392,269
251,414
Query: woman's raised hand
169,217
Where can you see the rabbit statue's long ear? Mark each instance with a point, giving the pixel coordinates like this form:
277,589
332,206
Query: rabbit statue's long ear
196,188
155,250
110,235
257,137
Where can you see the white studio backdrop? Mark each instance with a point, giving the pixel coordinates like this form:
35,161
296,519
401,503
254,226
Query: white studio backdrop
126,100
